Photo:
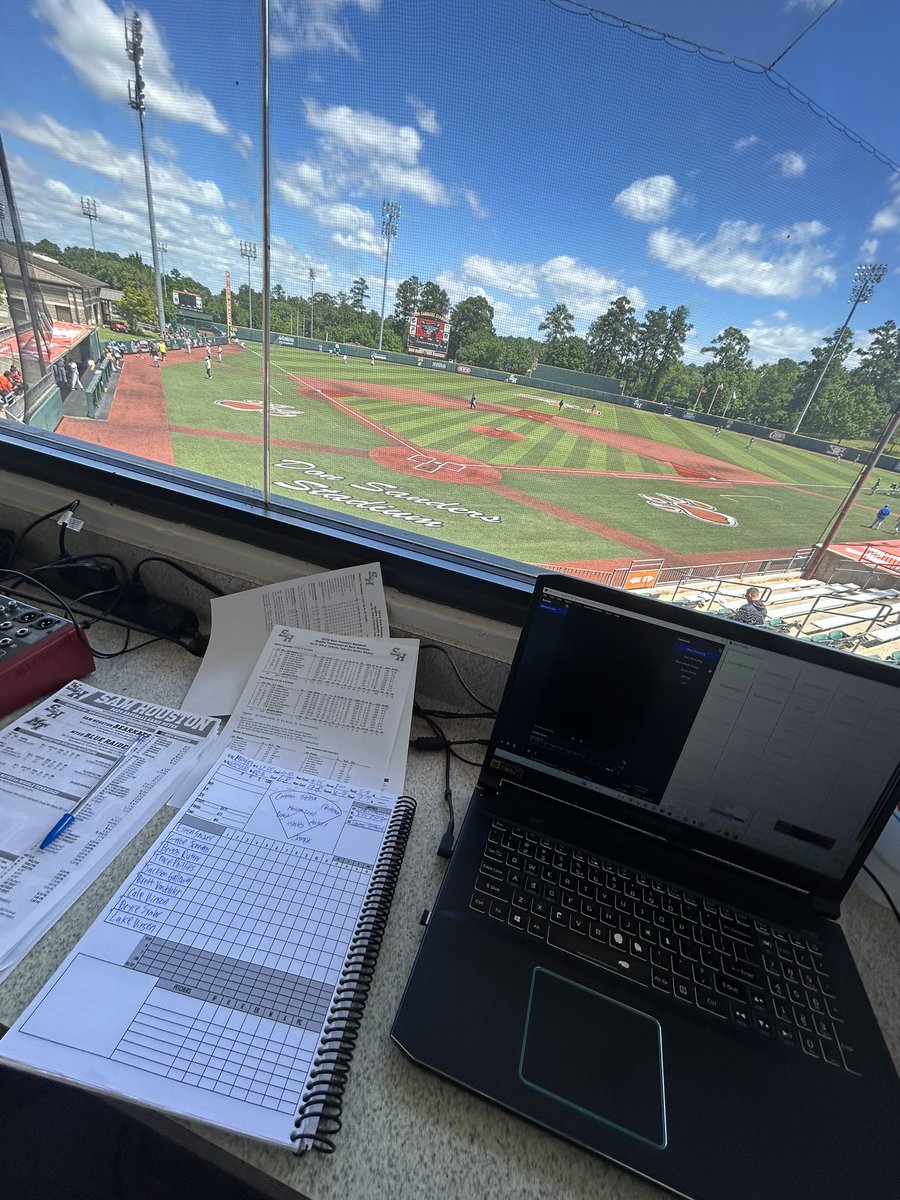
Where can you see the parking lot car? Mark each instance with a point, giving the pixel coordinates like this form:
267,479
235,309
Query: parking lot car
118,327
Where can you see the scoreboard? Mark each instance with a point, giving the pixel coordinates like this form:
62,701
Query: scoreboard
428,335
187,300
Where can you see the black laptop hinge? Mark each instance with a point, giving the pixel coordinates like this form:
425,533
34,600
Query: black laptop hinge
826,908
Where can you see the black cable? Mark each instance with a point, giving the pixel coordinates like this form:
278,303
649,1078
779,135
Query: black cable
445,847
58,600
211,587
107,618
17,544
884,891
489,710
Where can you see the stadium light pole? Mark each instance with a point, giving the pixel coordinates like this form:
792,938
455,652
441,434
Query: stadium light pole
312,280
864,279
390,218
89,210
163,251
134,48
248,251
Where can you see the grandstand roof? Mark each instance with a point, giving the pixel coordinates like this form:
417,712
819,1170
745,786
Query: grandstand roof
40,263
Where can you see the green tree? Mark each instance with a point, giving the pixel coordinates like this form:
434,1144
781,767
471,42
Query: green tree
730,351
730,370
471,316
776,387
138,305
646,351
406,298
669,351
569,352
359,293
681,384
609,338
821,358
557,324
46,247
516,355
434,299
879,362
480,348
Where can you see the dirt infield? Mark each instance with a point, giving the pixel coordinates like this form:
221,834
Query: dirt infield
458,470
685,463
492,431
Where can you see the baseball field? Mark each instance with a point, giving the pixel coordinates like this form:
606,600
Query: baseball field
525,474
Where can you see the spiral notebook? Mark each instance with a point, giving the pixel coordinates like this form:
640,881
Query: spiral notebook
226,979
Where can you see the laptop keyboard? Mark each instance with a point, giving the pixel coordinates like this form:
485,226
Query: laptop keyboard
726,963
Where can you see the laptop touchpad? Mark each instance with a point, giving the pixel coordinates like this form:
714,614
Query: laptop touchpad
595,1054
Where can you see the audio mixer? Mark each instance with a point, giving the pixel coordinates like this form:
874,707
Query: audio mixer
39,652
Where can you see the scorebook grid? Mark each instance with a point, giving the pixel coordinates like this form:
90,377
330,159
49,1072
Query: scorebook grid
254,932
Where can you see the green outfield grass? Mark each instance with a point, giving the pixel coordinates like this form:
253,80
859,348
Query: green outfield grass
545,469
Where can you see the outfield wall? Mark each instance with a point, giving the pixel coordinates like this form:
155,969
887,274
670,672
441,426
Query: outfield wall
578,379
676,412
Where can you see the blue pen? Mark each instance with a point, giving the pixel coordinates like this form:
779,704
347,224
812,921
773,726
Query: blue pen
67,818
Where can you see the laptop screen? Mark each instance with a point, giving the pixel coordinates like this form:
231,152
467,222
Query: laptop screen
740,736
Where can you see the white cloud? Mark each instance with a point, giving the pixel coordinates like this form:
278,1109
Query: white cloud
315,25
243,143
802,232
869,248
741,258
90,37
359,153
364,133
518,279
648,199
791,164
587,291
200,243
92,151
745,143
768,343
475,204
415,181
779,314
163,146
303,185
888,217
426,118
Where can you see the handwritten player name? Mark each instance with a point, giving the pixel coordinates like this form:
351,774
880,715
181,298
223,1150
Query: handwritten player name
321,491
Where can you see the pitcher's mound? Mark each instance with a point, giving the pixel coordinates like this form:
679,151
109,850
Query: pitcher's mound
493,431
436,464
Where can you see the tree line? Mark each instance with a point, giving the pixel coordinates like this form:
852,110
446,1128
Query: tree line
645,354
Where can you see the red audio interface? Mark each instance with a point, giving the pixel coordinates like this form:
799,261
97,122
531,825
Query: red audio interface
39,652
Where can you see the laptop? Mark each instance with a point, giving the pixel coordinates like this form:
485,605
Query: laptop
635,944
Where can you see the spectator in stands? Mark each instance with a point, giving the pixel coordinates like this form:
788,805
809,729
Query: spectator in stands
880,517
15,374
6,386
754,611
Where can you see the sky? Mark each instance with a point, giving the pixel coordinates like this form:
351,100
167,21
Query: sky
539,155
